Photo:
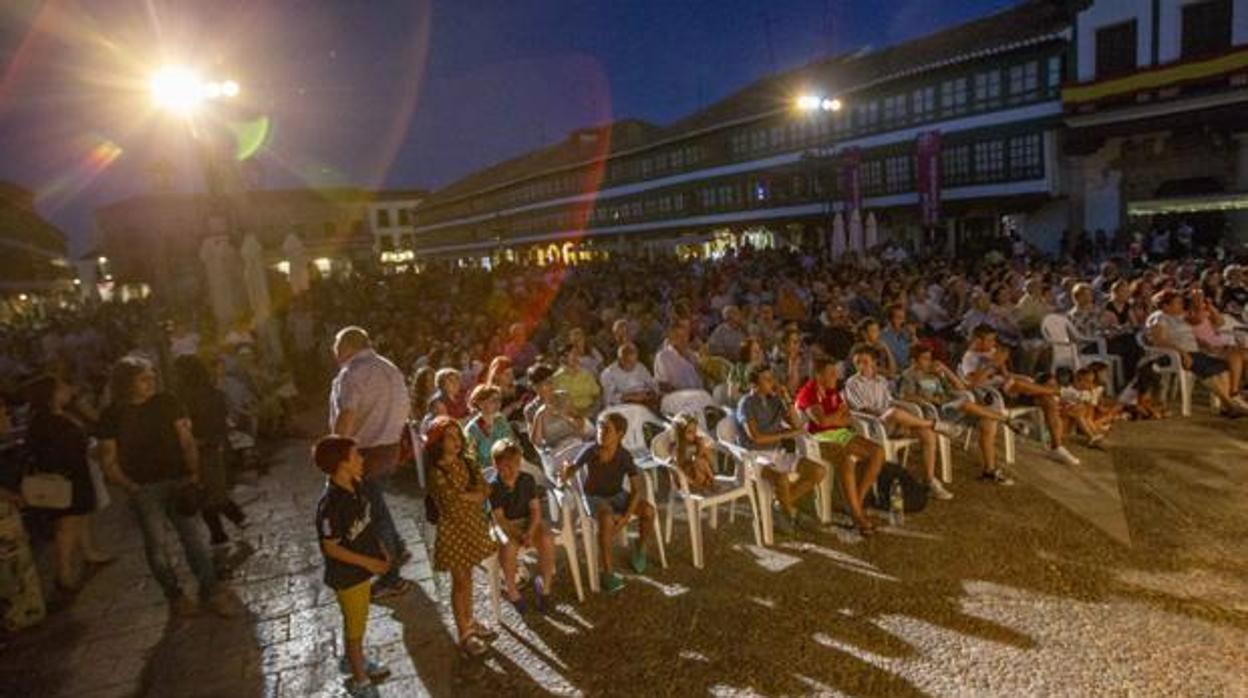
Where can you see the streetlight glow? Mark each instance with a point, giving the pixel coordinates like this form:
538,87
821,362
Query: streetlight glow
180,89
177,89
831,104
808,102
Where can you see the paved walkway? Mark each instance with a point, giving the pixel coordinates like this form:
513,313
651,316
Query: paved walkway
1127,576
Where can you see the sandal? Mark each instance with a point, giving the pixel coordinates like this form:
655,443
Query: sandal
865,528
473,647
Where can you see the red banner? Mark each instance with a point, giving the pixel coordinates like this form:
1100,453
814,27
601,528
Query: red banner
851,179
928,176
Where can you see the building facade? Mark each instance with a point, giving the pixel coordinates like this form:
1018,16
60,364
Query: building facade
33,252
1157,116
987,93
390,220
155,240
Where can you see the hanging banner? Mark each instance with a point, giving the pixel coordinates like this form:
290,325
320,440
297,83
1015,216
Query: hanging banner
928,177
851,179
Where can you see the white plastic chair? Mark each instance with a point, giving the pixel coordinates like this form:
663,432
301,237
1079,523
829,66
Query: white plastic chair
1172,366
872,427
944,448
587,525
722,395
808,448
728,490
1033,413
1066,347
564,527
728,435
681,401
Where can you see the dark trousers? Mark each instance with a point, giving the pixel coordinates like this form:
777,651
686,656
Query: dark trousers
380,463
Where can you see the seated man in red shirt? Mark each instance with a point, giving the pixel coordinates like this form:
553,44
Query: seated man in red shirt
830,424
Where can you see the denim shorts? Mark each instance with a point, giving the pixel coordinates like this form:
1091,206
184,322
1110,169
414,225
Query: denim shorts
618,502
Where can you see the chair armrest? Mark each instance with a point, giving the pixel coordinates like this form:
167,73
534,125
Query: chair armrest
872,426
914,408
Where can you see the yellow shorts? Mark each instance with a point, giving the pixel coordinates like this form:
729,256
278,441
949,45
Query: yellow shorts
354,604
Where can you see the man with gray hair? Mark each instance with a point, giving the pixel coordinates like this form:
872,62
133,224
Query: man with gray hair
627,381
369,403
726,340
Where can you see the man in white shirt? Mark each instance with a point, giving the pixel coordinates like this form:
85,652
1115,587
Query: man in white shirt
868,391
675,367
628,381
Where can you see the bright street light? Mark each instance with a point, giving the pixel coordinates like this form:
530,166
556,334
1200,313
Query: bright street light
180,89
808,102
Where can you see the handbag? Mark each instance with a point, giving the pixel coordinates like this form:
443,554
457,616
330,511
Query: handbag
47,491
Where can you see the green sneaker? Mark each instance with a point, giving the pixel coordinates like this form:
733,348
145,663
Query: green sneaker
639,559
612,583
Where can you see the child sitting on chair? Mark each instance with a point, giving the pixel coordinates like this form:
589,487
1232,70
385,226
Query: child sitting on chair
516,502
692,453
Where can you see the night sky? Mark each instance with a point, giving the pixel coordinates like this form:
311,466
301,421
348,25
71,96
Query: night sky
394,93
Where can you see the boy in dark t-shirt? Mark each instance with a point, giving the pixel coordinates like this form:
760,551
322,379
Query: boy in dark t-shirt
515,499
353,554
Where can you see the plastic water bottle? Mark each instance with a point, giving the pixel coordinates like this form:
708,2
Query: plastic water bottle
896,504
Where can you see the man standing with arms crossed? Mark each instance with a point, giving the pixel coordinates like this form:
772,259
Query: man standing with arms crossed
369,403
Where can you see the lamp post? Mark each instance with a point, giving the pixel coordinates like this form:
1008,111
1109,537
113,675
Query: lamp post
815,105
185,95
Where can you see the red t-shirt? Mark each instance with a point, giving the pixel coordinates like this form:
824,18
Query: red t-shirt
810,395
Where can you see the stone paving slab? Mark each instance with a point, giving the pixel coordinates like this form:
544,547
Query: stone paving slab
1127,576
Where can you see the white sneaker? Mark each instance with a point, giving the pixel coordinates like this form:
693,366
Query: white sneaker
1062,455
938,490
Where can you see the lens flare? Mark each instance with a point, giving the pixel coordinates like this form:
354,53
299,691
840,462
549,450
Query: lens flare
177,89
250,137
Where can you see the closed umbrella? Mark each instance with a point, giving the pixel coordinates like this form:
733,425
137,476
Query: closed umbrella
873,232
297,258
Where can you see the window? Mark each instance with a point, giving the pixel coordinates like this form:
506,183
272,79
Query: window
894,110
897,174
758,139
777,137
1024,82
873,114
1055,72
990,161
1115,50
1206,28
924,102
740,146
408,241
405,217
383,218
1026,161
872,175
953,97
678,202
956,165
386,243
988,90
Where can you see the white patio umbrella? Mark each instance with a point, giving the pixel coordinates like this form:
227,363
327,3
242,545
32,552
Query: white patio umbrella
873,232
215,255
297,258
838,236
855,231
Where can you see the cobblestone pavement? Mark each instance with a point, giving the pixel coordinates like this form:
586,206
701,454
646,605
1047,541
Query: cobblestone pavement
1126,576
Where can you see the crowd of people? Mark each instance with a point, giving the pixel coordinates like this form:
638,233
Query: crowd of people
511,365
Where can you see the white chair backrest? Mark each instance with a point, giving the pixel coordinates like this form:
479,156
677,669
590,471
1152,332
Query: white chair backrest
536,472
680,401
722,394
727,431
661,446
638,416
1055,328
